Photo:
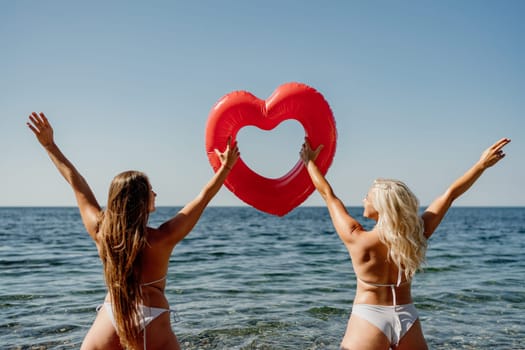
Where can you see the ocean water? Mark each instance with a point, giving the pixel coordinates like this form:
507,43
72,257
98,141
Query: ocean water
246,280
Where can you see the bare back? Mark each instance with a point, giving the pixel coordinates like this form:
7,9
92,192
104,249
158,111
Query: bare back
370,262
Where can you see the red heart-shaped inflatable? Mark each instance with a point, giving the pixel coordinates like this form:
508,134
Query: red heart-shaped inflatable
289,101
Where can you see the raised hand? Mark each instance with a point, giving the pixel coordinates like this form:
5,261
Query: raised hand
494,153
41,128
307,154
230,154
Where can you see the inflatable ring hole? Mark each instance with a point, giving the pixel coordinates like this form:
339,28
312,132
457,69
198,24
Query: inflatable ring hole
271,153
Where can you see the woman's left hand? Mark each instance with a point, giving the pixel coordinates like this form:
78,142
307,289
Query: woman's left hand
494,153
307,153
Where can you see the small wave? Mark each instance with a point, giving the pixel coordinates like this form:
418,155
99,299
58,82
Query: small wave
220,338
431,269
46,345
35,337
500,260
325,312
17,297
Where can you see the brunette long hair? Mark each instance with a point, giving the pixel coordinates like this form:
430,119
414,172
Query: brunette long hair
123,237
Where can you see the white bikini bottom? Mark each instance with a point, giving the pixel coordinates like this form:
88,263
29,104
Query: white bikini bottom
393,321
148,314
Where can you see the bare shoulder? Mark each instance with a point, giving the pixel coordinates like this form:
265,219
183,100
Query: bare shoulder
366,239
347,227
367,244
158,251
358,233
157,236
368,255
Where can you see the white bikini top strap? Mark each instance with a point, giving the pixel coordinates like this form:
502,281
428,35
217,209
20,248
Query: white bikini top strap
393,287
153,282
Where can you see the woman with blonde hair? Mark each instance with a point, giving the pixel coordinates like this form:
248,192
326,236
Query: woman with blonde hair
386,258
135,313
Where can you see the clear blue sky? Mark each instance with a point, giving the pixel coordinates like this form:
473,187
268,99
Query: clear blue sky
418,90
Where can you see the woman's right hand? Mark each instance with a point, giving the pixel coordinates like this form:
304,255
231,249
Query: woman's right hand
41,128
230,154
493,154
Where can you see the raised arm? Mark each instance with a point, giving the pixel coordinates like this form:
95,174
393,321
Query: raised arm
179,226
344,224
87,204
439,207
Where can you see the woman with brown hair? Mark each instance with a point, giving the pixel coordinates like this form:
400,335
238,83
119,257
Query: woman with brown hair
135,313
386,258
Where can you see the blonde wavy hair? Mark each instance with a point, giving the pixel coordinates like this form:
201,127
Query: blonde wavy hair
399,225
123,237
